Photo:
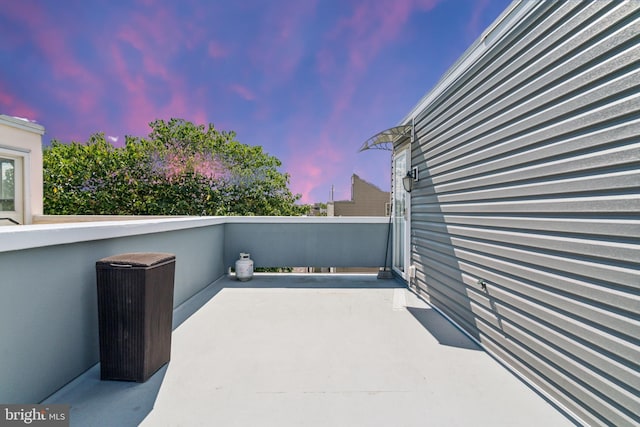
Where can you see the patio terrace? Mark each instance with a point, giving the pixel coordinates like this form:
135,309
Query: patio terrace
316,350
278,350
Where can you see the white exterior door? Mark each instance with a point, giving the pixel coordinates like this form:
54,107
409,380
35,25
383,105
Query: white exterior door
401,212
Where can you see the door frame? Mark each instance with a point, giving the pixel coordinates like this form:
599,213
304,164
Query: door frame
21,179
404,238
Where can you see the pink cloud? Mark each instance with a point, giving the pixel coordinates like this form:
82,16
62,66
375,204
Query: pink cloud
139,105
12,106
306,176
52,44
325,61
64,64
150,49
371,27
122,73
6,99
137,108
200,117
74,87
159,28
474,24
312,167
280,47
243,91
216,50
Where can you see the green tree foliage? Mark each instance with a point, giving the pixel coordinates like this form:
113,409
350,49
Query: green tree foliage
179,169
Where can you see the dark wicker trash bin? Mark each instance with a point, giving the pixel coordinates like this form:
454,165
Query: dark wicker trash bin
135,311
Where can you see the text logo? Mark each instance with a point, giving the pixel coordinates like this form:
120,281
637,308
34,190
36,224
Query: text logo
34,415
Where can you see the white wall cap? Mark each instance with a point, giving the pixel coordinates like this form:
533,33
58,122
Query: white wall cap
14,238
23,124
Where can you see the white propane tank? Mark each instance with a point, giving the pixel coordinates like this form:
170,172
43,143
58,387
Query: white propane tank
244,267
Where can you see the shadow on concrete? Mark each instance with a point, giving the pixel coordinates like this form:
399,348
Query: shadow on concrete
99,403
441,329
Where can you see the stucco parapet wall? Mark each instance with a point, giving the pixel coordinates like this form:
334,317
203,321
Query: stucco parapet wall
41,235
306,219
22,124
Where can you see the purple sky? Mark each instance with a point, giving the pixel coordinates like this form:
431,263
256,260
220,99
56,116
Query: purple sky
309,80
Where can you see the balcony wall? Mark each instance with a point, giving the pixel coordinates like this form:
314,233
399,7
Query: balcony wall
48,308
316,242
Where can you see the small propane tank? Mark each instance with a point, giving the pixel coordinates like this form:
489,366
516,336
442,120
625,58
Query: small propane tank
244,267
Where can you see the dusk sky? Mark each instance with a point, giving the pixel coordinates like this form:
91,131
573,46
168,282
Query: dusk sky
309,80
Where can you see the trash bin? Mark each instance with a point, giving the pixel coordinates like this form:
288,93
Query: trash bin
135,311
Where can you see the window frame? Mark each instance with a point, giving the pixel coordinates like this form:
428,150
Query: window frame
21,184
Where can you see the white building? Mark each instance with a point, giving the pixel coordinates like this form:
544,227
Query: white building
20,170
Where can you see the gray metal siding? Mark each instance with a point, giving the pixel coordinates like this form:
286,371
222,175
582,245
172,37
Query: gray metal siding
530,180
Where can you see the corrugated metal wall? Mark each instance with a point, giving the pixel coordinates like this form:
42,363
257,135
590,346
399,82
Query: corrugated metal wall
530,180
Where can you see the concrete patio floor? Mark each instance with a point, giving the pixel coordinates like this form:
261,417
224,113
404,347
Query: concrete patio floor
313,350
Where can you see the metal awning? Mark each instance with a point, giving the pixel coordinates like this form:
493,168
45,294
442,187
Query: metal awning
384,140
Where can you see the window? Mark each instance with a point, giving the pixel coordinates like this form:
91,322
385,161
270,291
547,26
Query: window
7,185
11,198
20,170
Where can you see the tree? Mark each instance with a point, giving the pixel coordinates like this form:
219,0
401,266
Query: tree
179,169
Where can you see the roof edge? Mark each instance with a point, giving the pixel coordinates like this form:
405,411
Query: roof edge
23,124
502,25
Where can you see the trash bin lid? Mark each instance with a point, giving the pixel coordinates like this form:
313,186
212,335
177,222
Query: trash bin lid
137,259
